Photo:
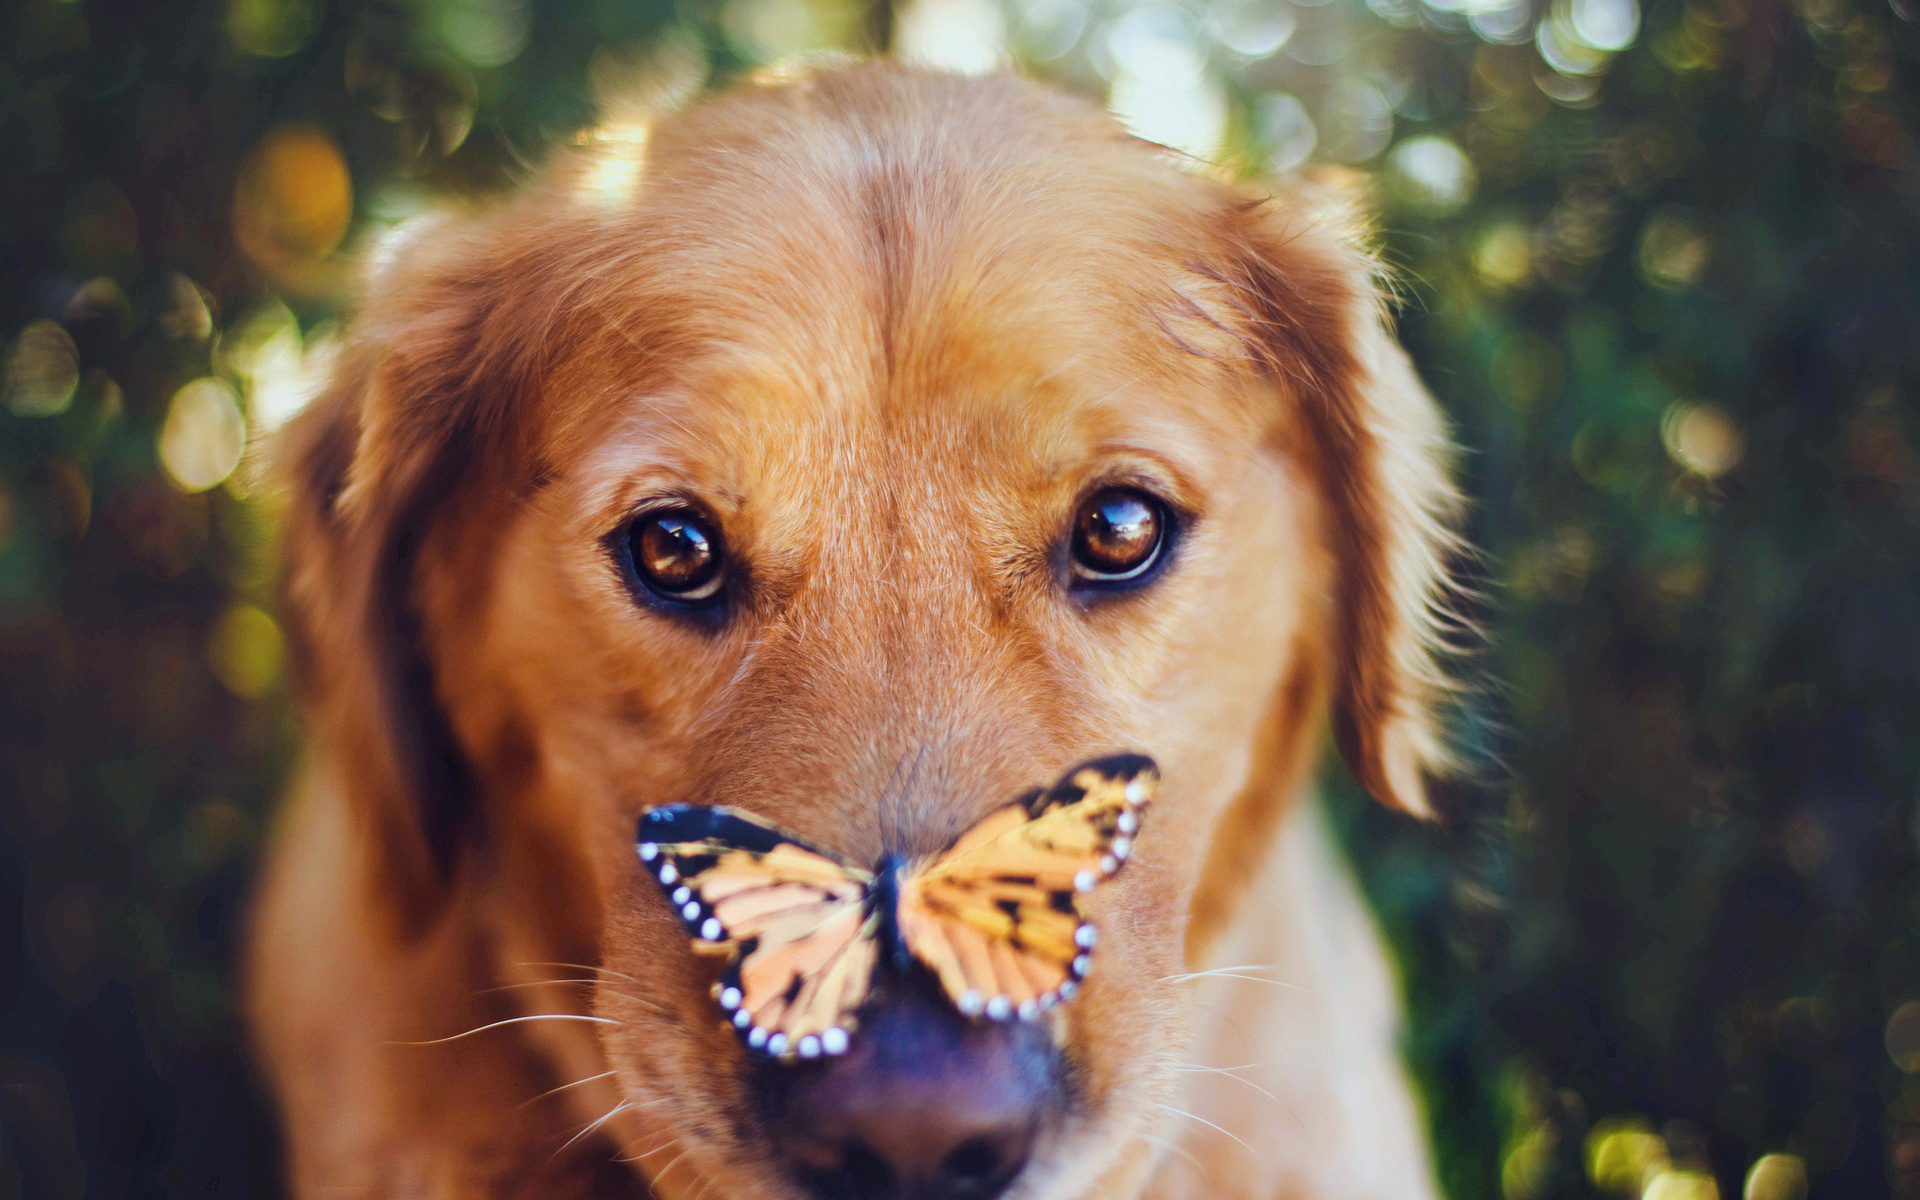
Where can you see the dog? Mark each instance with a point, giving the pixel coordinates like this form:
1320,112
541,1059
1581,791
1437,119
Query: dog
857,450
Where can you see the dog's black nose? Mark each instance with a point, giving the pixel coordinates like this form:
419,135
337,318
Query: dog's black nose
924,1106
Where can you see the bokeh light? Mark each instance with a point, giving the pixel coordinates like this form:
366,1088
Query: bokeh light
246,651
1902,1037
485,33
1624,1155
1681,1185
204,435
271,28
42,371
968,36
1163,88
1776,1177
293,198
1703,438
1431,173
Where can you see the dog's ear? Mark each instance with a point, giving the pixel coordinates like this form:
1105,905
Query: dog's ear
430,397
1314,299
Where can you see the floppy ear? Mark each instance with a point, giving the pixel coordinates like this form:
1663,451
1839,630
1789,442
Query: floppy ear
1314,299
430,396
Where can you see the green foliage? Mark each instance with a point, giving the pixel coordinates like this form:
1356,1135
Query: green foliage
1659,265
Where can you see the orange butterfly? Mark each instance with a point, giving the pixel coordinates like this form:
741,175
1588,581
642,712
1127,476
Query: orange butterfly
996,917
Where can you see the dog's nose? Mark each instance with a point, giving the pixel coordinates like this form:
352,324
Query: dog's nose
923,1107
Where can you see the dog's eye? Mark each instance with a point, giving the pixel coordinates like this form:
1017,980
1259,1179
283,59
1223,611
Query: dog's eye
1118,535
677,555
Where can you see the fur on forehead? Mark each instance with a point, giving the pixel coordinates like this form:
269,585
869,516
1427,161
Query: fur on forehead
901,253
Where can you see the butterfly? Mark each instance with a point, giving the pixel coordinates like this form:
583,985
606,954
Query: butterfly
996,917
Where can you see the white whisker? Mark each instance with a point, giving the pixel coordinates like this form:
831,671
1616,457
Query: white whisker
1210,1125
1198,1067
673,1139
1172,1146
580,967
563,1087
613,1112
675,1161
1229,1073
1233,973
533,983
643,1003
511,1021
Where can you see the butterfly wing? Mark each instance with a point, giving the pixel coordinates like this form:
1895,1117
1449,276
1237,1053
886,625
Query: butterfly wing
796,922
998,917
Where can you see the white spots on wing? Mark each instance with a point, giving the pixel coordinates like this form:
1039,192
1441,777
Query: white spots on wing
649,852
971,1002
668,875
809,1047
1083,937
682,894
834,1041
1122,847
999,1008
777,1044
1085,881
710,929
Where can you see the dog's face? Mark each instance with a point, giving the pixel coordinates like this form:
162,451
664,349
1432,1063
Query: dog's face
882,446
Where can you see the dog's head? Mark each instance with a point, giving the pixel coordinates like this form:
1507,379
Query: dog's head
860,452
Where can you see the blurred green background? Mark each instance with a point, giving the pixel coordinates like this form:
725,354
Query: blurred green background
1658,262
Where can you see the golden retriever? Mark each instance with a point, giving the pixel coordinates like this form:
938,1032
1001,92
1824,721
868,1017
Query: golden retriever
858,449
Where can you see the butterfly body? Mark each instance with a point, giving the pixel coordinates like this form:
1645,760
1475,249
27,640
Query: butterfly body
996,918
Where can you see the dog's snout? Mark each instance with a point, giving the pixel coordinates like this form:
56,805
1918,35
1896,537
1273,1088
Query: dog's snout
925,1107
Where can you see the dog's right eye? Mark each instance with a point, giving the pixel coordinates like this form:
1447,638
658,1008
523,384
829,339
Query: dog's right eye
677,555
1120,537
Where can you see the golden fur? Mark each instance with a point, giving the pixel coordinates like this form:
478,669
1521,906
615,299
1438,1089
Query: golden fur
888,326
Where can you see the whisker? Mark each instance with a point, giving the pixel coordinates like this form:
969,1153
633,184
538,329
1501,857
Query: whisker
1178,1112
1235,967
1169,1144
643,1003
511,1021
611,1113
580,967
673,1139
671,1164
563,1087
593,983
1233,973
1198,1067
1229,1073
507,987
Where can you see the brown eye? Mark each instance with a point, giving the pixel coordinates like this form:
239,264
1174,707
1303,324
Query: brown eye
1118,535
677,555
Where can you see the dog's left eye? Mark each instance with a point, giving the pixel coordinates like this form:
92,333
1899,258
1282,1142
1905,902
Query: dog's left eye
677,555
1119,536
